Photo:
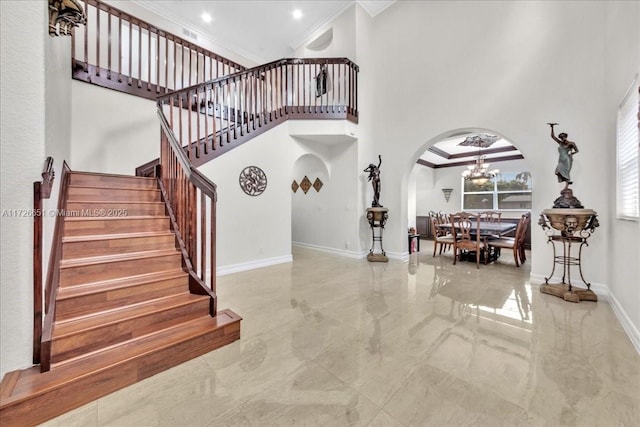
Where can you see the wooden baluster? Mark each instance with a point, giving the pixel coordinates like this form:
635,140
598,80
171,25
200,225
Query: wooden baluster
189,127
130,79
235,108
193,242
198,116
228,93
149,60
214,103
182,86
189,66
166,64
119,48
206,119
203,237
304,87
355,96
86,38
97,41
157,62
175,65
108,45
198,67
254,100
180,108
139,56
340,85
285,88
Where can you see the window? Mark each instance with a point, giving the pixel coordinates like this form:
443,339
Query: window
507,191
627,156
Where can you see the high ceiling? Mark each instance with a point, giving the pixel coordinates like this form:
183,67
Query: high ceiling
260,30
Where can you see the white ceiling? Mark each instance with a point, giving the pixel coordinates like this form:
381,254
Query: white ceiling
260,30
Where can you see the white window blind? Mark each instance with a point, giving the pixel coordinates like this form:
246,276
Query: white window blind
627,156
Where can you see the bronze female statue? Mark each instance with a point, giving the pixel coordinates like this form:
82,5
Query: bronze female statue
566,150
374,177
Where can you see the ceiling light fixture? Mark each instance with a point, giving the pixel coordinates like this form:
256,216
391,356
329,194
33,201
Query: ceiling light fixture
297,14
479,173
206,17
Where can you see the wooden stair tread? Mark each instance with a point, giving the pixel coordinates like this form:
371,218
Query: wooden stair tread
112,175
113,218
103,259
91,237
33,383
105,285
119,202
95,320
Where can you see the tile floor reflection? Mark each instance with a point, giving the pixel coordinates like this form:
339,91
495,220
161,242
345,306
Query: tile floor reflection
328,341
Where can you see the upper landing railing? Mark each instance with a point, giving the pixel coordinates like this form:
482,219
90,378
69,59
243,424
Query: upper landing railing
213,117
121,52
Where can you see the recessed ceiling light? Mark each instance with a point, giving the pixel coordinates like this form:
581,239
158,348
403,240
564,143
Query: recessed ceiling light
206,17
297,14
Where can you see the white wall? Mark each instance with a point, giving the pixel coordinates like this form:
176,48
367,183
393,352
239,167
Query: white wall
253,231
530,63
35,115
343,40
111,132
622,35
329,219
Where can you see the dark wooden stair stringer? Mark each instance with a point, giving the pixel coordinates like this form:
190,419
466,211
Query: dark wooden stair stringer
125,307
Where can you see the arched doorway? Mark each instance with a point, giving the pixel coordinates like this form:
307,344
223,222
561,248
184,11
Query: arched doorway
436,183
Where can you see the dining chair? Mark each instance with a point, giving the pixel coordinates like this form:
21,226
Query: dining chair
465,228
492,216
515,243
440,236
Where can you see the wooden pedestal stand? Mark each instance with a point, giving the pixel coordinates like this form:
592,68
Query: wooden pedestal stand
377,218
575,226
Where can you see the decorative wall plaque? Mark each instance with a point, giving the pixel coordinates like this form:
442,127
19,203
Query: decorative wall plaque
253,180
317,184
305,184
294,186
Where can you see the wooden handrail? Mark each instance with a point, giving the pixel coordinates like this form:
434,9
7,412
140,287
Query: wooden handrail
136,57
213,117
41,191
53,273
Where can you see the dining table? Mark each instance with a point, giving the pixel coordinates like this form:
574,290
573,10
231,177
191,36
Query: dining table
488,230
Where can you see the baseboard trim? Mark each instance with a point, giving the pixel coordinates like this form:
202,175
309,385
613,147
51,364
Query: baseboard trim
604,295
331,251
252,265
625,321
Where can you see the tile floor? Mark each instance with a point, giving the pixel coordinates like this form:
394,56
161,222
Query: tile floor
328,341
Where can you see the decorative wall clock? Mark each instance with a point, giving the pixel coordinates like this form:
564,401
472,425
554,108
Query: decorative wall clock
253,180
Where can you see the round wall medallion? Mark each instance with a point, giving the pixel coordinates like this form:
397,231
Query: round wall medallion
253,180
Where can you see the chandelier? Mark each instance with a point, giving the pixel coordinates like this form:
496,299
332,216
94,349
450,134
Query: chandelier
479,173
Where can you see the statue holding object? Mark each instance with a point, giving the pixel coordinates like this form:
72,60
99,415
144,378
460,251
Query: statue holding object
374,177
566,150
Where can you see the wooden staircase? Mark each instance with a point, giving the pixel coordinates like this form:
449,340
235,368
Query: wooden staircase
123,308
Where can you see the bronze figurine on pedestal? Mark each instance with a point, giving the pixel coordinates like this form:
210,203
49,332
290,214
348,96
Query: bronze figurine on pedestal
574,223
